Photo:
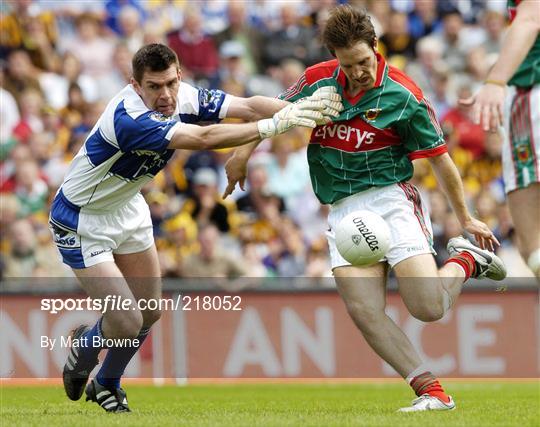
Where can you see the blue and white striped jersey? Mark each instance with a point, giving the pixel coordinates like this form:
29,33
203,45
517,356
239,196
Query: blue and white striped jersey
128,146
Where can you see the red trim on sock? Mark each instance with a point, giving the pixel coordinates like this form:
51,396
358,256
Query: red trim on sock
466,261
420,379
471,260
441,395
427,383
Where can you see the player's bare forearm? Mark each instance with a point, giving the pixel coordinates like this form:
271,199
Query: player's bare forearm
192,137
254,108
448,176
518,41
245,151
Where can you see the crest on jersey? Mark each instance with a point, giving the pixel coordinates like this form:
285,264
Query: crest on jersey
158,117
210,99
523,153
356,239
372,114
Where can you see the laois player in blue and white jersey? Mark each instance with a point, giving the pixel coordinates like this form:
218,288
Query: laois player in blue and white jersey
100,221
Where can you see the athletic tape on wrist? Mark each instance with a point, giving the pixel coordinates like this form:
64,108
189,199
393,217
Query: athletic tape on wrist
267,128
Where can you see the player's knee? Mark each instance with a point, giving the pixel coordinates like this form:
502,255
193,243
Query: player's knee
150,317
427,312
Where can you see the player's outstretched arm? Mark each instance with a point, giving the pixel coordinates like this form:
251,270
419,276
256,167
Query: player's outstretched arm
488,102
448,176
193,137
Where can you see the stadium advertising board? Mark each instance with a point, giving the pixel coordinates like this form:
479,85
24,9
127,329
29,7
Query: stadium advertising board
273,335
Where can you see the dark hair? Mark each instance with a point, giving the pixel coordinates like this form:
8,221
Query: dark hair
153,57
347,26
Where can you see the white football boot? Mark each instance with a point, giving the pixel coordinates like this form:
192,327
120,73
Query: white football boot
429,403
487,263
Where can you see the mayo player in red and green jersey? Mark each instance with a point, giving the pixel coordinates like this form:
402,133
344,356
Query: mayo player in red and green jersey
518,66
363,161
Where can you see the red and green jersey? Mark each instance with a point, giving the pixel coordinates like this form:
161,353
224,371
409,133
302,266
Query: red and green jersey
376,137
528,73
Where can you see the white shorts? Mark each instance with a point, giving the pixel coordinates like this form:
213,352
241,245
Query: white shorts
404,211
521,143
85,239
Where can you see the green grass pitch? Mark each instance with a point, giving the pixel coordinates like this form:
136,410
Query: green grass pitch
369,404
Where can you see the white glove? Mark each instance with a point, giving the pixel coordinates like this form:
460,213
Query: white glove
305,113
331,100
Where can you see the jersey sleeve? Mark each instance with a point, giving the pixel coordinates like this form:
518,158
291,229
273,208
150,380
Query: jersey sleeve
149,131
422,133
301,89
197,104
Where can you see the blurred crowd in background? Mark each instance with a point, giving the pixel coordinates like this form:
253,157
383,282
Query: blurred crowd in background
63,61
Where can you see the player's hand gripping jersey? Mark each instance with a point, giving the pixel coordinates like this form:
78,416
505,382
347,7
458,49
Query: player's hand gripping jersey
128,146
372,142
